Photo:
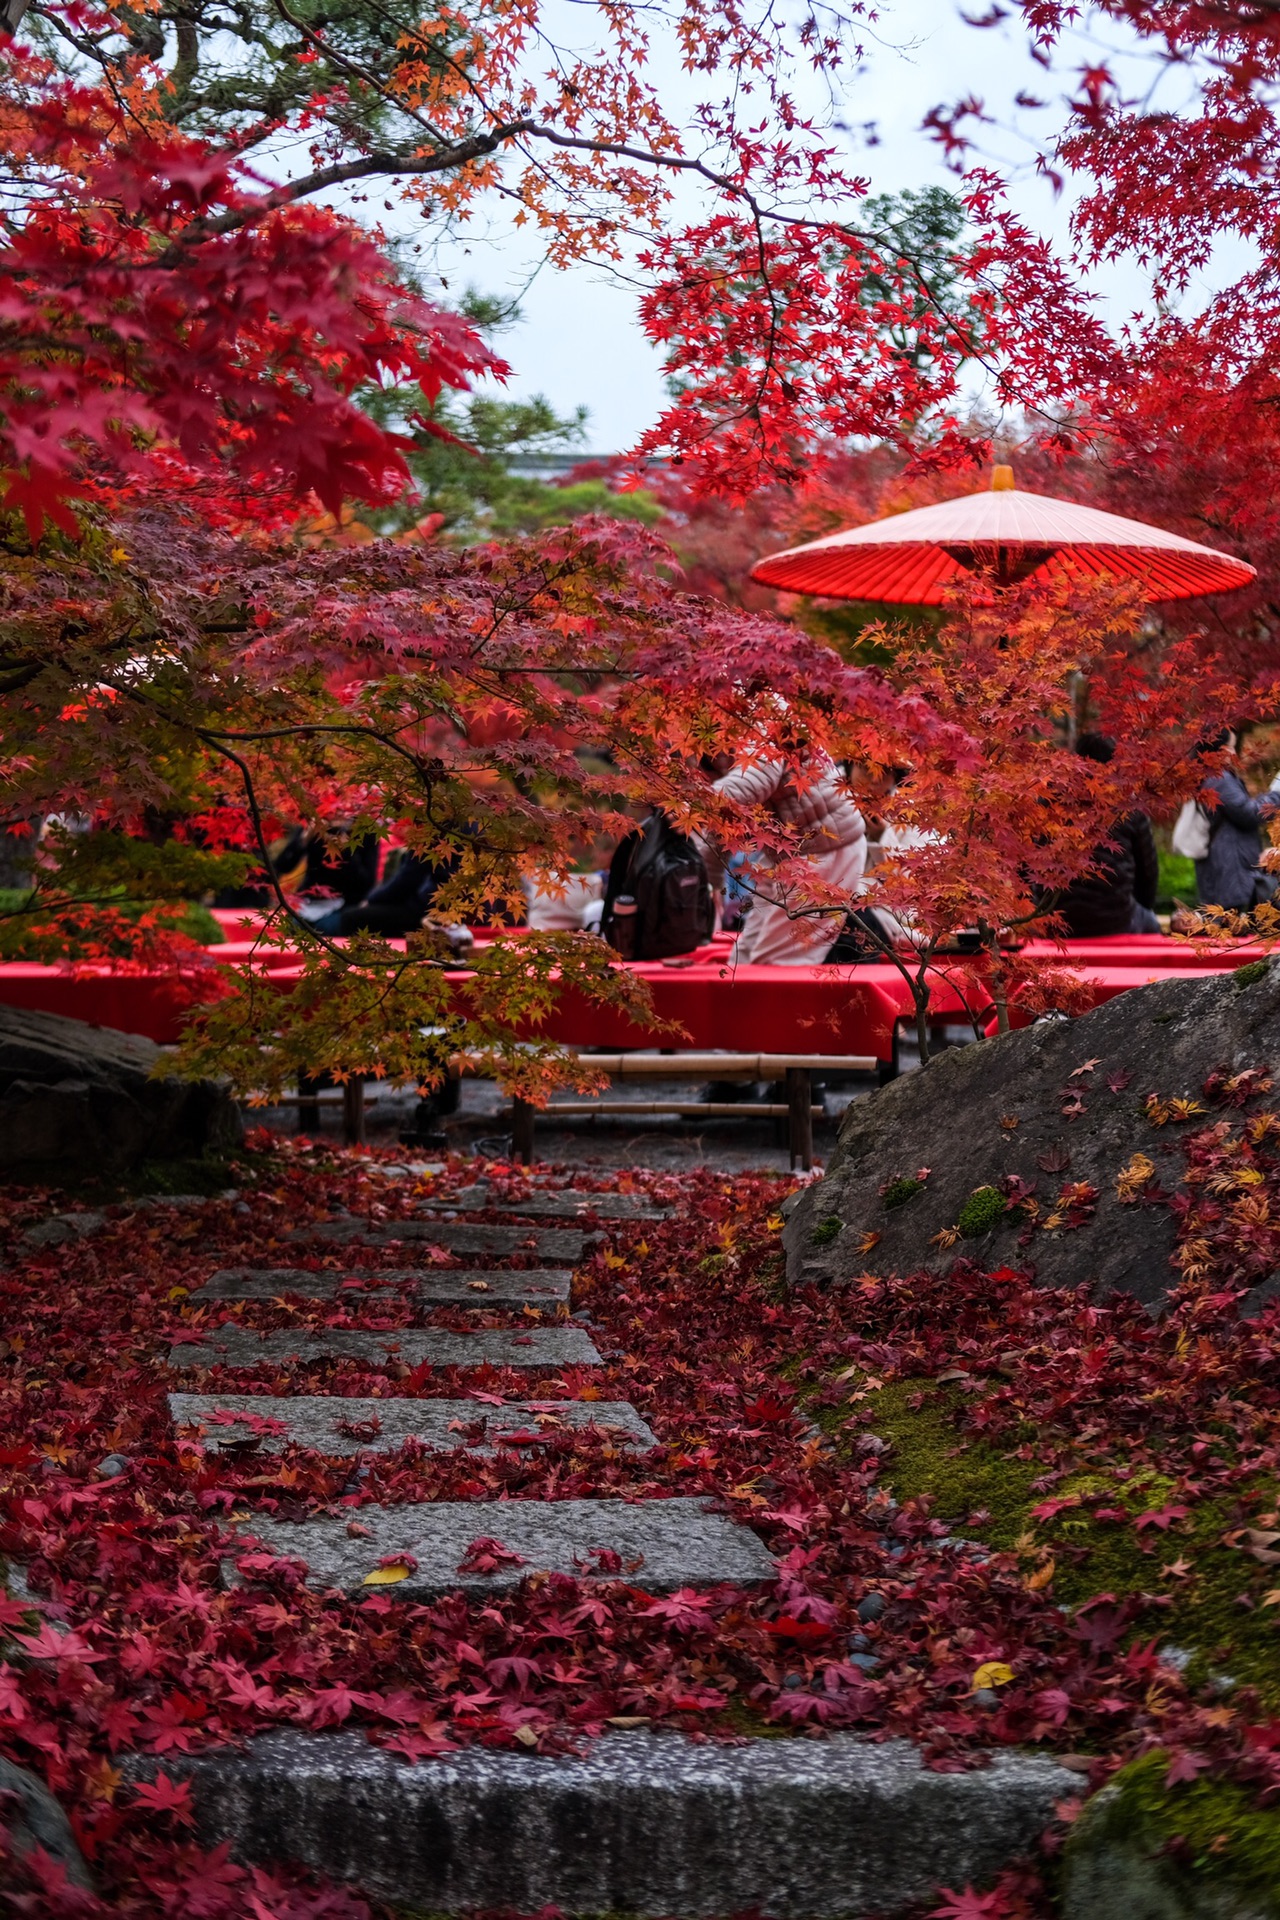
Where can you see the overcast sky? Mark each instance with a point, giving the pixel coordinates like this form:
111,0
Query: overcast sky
579,341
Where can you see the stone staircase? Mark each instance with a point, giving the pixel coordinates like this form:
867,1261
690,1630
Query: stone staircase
651,1823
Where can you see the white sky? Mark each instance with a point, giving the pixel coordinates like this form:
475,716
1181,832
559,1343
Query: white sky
580,343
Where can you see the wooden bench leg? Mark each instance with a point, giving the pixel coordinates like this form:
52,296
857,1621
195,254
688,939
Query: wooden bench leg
353,1111
308,1107
522,1131
800,1117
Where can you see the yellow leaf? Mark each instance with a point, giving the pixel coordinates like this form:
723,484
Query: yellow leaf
642,1249
992,1673
774,1223
614,1260
1272,1599
526,1736
386,1576
1035,1582
868,1241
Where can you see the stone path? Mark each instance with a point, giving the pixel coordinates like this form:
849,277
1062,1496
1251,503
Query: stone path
557,1244
349,1426
430,1286
656,1544
416,1347
643,1823
568,1201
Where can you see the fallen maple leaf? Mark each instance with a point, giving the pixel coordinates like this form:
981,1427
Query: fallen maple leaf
992,1673
395,1567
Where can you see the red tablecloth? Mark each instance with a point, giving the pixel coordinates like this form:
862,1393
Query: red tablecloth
760,1009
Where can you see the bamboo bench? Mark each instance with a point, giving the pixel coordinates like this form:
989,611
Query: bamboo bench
795,1069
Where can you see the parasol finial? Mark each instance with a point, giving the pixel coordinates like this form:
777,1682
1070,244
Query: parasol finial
1002,480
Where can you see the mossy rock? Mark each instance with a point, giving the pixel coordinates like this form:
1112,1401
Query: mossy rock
992,1116
1142,1851
930,1457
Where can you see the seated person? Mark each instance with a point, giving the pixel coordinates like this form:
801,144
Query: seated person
1119,894
835,844
397,906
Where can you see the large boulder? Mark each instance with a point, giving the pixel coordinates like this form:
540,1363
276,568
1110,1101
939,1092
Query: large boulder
77,1100
1060,1102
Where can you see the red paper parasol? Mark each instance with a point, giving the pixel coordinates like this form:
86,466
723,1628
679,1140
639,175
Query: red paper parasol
911,559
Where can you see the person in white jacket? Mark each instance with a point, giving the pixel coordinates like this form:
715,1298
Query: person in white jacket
814,802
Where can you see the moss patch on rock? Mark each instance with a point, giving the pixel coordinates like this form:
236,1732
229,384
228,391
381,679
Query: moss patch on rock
984,1209
1208,1837
899,1191
986,1493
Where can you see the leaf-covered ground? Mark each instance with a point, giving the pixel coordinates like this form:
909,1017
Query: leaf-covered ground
1119,1476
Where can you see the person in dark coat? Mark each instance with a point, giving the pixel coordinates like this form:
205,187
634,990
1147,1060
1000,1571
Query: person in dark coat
1119,894
1229,874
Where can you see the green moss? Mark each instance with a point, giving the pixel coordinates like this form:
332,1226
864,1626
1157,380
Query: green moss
930,1457
1256,970
980,1212
826,1230
904,1188
1224,1839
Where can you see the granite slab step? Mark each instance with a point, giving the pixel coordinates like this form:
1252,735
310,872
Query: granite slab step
558,1245
660,1544
430,1286
414,1346
551,1204
348,1426
642,1823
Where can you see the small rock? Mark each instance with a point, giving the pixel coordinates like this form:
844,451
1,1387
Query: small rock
858,1643
986,1698
793,1680
871,1606
33,1818
113,1464
864,1662
61,1227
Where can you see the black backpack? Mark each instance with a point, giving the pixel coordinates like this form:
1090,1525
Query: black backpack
663,872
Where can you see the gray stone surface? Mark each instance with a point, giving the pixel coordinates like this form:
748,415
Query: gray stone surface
1106,1875
676,1543
559,1245
431,1286
313,1421
642,1823
32,1818
78,1100
61,1227
552,1204
415,1346
1162,1039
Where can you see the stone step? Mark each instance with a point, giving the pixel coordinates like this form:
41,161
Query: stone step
563,1201
443,1425
643,1823
414,1346
661,1544
431,1286
560,1246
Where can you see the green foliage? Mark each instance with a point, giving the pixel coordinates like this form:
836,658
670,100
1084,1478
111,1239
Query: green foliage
981,1211
1209,1835
465,471
1177,881
826,1230
899,1191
